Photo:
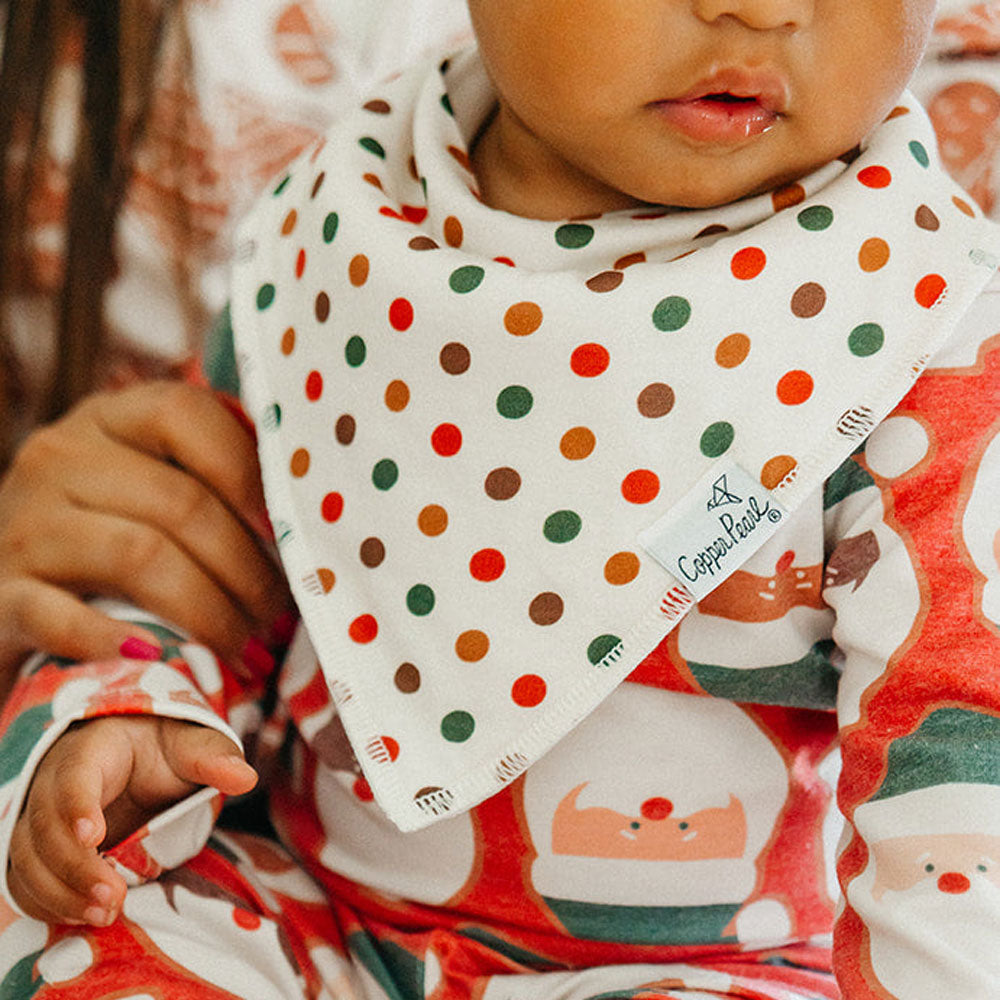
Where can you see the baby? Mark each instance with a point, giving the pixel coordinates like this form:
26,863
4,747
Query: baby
627,395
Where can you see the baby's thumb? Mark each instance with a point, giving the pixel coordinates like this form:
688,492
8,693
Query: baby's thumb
205,756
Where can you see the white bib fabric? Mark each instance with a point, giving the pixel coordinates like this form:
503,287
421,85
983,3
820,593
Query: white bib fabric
505,456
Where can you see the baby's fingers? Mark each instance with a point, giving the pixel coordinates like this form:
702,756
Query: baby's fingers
205,757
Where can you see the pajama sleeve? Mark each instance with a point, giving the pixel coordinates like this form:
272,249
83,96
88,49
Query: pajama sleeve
913,575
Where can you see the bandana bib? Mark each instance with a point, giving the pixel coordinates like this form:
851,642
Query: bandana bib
504,456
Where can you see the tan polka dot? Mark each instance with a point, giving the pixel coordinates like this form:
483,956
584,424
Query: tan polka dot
732,350
925,218
523,318
546,609
358,269
787,196
502,483
775,469
299,464
577,443
397,395
372,552
453,234
288,341
373,180
963,206
432,520
346,426
289,224
808,300
472,645
629,259
606,281
621,568
455,358
422,243
656,400
407,678
873,255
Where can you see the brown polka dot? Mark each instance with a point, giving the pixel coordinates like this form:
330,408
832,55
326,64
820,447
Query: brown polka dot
712,230
925,218
606,281
407,678
289,224
358,269
412,167
461,157
288,341
378,106
322,307
397,395
546,609
963,206
785,197
577,443
374,180
808,300
656,400
326,578
502,483
432,520
732,350
453,234
455,358
317,184
372,552
346,426
422,243
472,645
621,568
523,318
629,259
299,465
775,469
874,254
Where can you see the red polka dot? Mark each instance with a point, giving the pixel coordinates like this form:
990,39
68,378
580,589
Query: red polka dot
332,507
391,747
245,919
400,314
314,386
929,289
640,486
656,808
300,263
364,628
446,439
363,790
504,260
528,690
748,263
786,560
795,387
589,360
875,177
487,565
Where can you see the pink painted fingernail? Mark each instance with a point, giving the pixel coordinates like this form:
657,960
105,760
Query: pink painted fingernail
135,648
256,657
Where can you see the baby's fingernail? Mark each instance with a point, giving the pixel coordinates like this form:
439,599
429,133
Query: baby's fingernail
135,648
97,915
256,657
86,830
102,894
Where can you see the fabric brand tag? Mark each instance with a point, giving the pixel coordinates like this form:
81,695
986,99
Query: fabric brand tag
714,529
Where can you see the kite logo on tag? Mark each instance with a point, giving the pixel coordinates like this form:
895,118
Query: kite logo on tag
713,530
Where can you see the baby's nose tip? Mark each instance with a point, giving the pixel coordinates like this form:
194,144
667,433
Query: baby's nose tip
953,882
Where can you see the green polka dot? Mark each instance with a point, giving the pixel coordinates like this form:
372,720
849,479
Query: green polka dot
446,104
265,296
330,224
514,402
816,218
355,351
600,647
574,235
562,526
372,145
457,726
282,185
465,279
716,439
385,473
671,313
919,153
420,599
866,339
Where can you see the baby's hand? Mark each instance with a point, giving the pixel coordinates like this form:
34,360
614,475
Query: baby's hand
101,781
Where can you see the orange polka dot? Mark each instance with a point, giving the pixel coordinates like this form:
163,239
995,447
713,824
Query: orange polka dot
795,387
775,469
397,395
590,360
453,233
289,224
748,263
874,254
299,464
621,568
929,289
875,177
963,206
288,341
327,579
523,318
785,197
432,520
640,486
472,645
897,112
528,690
629,259
358,269
461,157
577,443
373,180
363,629
732,350
487,565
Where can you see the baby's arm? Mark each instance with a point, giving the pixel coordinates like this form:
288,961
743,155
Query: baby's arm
101,781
